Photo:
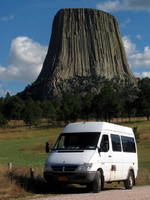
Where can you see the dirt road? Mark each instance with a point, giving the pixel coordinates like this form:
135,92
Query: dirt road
137,193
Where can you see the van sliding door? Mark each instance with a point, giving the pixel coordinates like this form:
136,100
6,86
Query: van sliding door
117,158
105,156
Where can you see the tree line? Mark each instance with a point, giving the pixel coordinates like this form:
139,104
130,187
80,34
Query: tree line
112,101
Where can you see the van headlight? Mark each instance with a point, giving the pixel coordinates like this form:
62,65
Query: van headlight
84,167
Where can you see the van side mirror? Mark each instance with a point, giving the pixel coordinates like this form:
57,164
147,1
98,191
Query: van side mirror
47,147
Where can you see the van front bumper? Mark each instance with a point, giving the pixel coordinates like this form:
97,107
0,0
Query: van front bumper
70,177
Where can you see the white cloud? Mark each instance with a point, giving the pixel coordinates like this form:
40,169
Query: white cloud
136,58
7,18
142,74
138,4
141,59
109,6
25,61
115,5
130,47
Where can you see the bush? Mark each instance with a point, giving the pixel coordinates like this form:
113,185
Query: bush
136,133
3,121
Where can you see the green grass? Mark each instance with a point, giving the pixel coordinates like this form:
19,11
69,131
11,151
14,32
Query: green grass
26,148
144,162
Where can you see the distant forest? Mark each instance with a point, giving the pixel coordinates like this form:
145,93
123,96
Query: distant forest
112,101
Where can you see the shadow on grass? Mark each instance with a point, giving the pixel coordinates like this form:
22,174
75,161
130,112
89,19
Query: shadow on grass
38,185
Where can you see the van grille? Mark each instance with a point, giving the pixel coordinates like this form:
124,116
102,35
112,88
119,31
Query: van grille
64,168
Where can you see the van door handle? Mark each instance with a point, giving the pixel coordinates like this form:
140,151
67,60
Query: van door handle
109,156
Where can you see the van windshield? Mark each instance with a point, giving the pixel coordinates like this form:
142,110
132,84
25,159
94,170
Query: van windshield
77,141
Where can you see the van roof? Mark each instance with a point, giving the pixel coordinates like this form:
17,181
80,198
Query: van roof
96,127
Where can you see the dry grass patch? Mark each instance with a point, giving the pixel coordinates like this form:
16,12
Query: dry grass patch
27,133
145,137
19,183
36,148
8,188
143,177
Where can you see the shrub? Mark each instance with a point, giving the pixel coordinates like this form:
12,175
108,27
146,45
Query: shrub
3,121
136,133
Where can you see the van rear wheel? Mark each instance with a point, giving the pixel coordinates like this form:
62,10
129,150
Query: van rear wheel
97,183
129,182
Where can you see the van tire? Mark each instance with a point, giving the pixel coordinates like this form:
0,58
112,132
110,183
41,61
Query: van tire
89,186
129,182
97,183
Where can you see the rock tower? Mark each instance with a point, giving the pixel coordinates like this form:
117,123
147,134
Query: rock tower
85,45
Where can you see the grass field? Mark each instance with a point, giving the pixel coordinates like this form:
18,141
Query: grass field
24,147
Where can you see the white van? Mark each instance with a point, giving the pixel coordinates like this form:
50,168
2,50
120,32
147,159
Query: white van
93,153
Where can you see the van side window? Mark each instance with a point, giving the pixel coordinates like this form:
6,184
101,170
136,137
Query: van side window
128,144
104,147
116,145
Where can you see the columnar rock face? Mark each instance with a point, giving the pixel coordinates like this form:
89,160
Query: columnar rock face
85,44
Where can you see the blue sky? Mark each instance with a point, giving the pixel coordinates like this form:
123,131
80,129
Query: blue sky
25,28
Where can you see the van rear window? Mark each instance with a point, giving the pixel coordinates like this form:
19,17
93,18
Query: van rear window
116,145
128,144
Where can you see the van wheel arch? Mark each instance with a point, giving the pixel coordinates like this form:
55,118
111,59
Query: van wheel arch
102,178
131,170
130,181
97,182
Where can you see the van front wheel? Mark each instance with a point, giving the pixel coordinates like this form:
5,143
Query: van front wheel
129,182
97,183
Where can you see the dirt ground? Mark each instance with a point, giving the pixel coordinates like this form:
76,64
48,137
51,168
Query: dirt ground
137,193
